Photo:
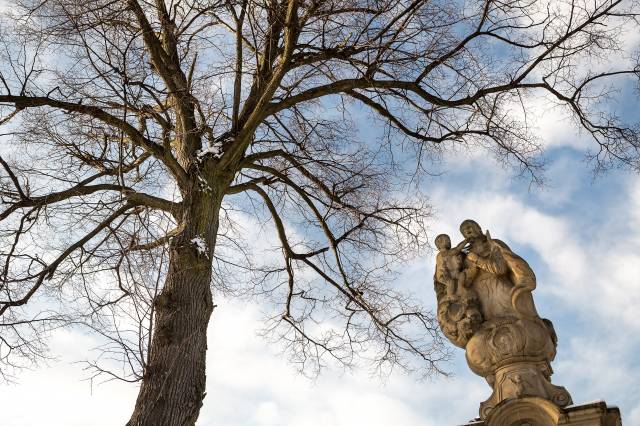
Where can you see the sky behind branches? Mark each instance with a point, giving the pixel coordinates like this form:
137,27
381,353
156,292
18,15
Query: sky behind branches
580,233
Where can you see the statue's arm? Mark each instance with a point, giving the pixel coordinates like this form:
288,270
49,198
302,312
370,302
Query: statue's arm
460,246
494,263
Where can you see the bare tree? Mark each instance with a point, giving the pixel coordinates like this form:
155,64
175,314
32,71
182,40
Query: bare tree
138,130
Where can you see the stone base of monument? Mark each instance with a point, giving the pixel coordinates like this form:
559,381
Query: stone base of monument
534,411
522,379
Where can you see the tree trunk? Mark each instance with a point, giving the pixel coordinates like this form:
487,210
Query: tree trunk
173,384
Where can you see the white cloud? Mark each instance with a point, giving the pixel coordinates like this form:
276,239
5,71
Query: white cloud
270,392
59,395
634,417
249,383
592,272
267,414
584,271
587,275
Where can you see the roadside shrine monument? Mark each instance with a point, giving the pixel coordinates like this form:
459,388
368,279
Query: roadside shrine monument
485,306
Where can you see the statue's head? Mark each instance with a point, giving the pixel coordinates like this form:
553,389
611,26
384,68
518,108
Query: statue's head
470,229
443,242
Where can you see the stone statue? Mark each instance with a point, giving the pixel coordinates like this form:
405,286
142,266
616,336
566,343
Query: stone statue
485,306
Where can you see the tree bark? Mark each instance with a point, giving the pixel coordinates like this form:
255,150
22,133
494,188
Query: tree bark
173,384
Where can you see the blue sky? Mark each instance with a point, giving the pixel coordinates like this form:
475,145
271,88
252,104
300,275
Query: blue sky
581,235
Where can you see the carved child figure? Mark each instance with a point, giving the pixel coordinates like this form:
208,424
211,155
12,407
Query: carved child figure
449,265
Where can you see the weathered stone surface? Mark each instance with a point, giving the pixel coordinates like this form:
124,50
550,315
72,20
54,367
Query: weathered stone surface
485,306
534,411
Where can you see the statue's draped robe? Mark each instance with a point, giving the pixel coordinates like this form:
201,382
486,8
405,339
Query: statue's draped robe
503,283
493,287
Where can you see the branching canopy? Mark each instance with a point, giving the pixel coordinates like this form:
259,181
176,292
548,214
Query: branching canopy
114,113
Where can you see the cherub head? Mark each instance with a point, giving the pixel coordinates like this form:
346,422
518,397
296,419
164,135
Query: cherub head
443,242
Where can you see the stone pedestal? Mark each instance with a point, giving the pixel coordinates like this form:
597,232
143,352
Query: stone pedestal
514,356
534,411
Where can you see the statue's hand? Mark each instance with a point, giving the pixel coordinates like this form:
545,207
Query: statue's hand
461,246
472,257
